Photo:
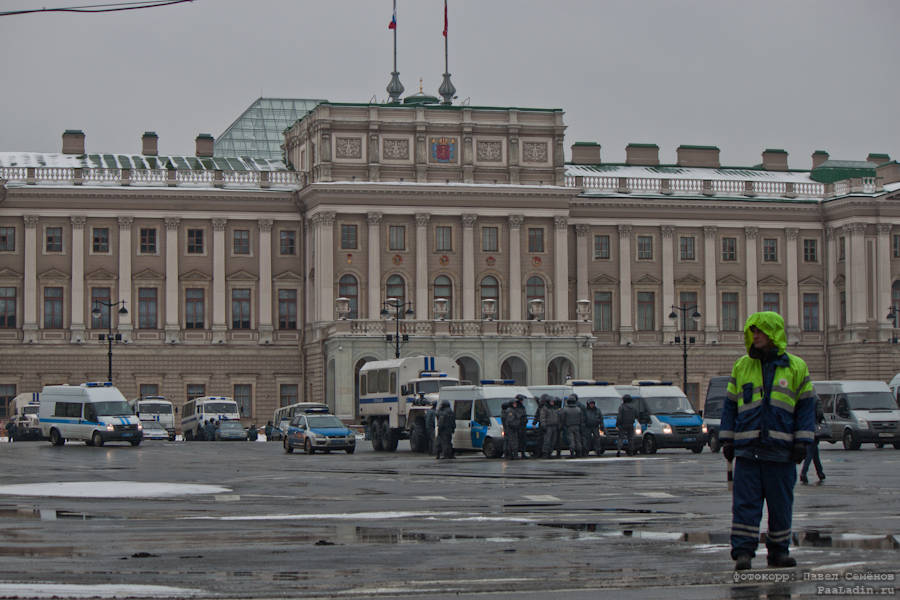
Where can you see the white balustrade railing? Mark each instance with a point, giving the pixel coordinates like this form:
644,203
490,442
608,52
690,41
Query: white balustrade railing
147,177
202,177
740,187
98,176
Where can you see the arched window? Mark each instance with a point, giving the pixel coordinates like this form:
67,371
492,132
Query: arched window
396,288
535,290
349,288
443,288
490,290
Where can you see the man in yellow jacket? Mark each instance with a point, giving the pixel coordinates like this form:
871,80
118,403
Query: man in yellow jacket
767,421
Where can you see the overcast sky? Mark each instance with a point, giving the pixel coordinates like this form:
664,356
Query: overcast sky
742,75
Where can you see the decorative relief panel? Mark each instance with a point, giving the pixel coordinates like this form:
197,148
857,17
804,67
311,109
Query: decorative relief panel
347,147
489,151
535,152
396,149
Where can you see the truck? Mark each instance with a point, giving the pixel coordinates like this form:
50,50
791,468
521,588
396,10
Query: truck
395,394
156,408
25,408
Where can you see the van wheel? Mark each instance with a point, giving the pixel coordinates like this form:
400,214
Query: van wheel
850,441
287,447
714,444
307,447
649,444
350,449
189,436
697,449
97,439
390,437
55,438
489,448
879,444
135,442
375,434
896,445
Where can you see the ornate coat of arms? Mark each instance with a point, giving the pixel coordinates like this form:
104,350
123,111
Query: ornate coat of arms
443,149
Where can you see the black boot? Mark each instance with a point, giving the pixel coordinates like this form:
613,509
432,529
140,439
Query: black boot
781,561
743,562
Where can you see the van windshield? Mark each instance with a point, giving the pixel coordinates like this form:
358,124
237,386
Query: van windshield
607,405
871,401
494,405
156,408
324,421
219,407
112,408
30,410
666,405
434,385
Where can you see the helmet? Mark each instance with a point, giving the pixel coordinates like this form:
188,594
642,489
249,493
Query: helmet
445,404
504,406
520,398
571,401
591,402
626,398
545,398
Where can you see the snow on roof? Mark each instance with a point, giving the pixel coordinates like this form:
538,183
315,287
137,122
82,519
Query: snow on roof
138,161
676,172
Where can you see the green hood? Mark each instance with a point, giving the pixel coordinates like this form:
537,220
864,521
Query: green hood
769,323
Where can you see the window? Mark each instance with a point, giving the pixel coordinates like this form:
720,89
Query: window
810,312
443,288
535,290
601,247
689,300
53,308
8,239
729,249
288,394
348,237
535,239
240,308
396,288
194,309
646,311
100,299
490,290
645,247
243,395
772,302
287,242
195,390
443,238
895,302
148,240
397,237
7,308
602,311
195,241
7,394
54,239
730,321
895,245
811,251
770,250
842,248
489,239
843,302
100,243
147,308
240,241
287,309
149,389
349,288
687,248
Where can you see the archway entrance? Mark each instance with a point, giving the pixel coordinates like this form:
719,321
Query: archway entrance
468,369
559,370
514,368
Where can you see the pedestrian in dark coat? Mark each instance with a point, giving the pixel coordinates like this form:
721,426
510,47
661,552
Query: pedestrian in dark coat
539,426
10,431
812,450
593,422
253,433
430,426
268,430
522,414
201,431
446,419
625,426
549,417
506,418
571,418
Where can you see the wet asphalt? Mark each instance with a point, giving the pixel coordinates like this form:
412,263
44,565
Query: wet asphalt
401,524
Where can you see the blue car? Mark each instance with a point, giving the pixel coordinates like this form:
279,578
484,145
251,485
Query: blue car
313,432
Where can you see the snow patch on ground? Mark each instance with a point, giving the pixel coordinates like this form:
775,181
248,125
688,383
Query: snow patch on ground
110,489
65,590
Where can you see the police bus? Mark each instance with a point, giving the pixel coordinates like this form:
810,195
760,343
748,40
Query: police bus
282,417
156,408
196,412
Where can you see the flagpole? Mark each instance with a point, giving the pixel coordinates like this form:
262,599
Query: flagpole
395,88
447,89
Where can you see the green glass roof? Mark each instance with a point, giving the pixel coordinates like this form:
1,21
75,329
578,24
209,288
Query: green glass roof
838,170
259,131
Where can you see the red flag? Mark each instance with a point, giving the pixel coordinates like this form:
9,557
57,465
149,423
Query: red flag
393,23
445,18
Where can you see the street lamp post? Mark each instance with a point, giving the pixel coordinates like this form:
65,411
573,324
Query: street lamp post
394,307
109,337
684,339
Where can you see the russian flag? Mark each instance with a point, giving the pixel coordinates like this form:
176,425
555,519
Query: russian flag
393,23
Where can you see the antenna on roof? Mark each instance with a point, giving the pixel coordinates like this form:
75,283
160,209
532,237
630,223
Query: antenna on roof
447,89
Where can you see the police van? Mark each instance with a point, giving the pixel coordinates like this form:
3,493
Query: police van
93,412
196,412
156,408
666,416
479,416
859,412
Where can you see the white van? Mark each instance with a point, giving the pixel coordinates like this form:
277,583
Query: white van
25,411
156,408
196,412
479,418
860,412
667,418
93,412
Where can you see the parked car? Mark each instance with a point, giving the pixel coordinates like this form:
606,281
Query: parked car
313,432
231,430
153,430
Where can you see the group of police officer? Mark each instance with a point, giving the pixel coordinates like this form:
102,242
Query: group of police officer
573,425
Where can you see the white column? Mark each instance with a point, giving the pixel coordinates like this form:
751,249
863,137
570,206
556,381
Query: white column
750,257
834,300
76,323
515,268
582,260
858,284
124,291
468,266
625,323
374,288
710,309
325,273
30,300
883,278
421,283
668,280
266,325
793,291
220,302
561,268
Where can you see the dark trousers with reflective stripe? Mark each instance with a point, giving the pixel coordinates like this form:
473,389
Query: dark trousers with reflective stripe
756,481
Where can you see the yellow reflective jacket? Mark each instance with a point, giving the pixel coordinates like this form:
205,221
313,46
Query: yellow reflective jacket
768,403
